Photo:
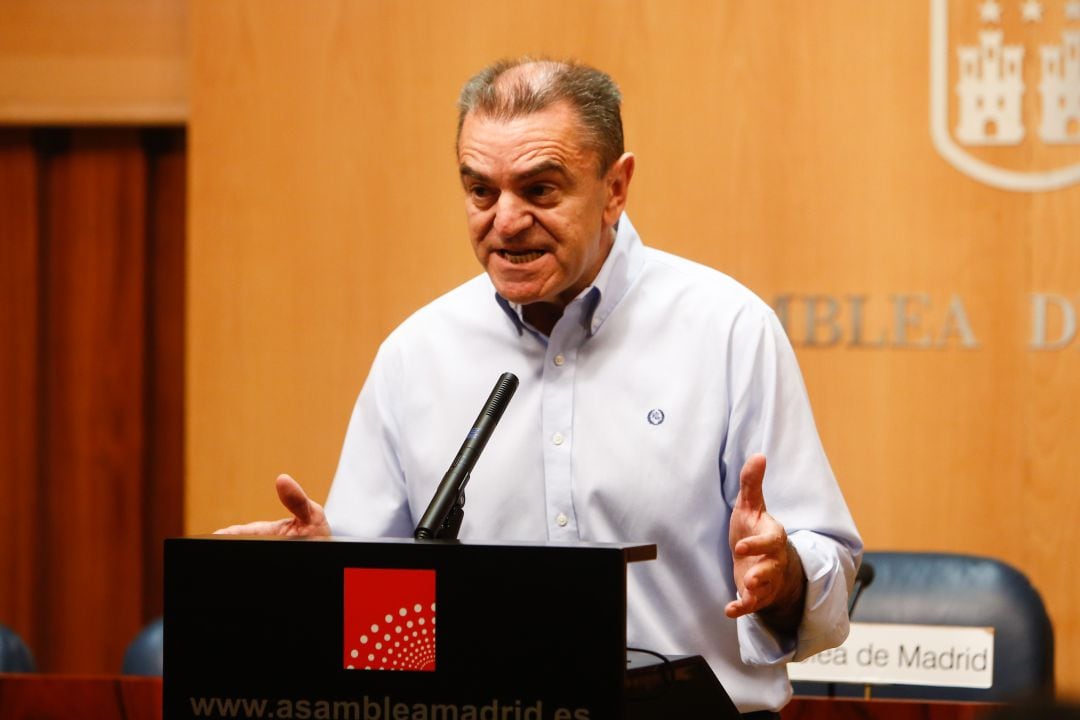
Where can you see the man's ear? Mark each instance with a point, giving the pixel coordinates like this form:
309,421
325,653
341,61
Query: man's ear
618,184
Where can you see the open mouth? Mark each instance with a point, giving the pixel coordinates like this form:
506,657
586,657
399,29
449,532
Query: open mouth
520,257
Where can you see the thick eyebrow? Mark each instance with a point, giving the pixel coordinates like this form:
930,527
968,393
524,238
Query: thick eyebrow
538,169
468,172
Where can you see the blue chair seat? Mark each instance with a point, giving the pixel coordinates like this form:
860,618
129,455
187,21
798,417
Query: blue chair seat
15,657
145,653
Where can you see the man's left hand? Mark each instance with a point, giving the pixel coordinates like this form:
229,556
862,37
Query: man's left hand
769,576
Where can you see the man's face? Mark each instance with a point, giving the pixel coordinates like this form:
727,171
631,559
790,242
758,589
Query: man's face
539,217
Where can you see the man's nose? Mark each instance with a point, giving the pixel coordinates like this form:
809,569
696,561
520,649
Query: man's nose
512,215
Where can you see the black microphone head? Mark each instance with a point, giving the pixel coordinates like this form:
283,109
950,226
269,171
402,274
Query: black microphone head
865,576
500,396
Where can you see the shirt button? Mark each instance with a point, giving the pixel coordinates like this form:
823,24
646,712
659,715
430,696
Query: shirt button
561,520
559,360
557,438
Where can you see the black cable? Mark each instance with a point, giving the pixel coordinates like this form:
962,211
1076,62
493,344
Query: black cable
667,675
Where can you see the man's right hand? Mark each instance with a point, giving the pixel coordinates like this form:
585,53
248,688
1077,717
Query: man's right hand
308,518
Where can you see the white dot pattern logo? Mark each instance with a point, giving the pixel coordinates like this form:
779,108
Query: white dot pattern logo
411,650
385,610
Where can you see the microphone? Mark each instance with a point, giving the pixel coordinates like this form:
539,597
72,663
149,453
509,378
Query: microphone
444,513
863,578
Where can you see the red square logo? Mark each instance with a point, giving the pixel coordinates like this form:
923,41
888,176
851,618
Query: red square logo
389,619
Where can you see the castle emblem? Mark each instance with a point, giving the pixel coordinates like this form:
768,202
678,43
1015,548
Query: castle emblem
1060,90
990,92
1006,74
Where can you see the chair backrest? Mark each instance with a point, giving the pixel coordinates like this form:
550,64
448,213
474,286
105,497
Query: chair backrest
15,657
951,589
144,655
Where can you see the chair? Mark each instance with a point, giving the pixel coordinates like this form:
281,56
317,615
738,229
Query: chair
145,652
15,657
951,589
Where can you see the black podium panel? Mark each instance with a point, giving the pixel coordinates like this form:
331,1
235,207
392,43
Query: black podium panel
270,628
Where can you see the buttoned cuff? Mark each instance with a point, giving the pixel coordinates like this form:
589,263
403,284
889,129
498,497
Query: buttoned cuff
824,622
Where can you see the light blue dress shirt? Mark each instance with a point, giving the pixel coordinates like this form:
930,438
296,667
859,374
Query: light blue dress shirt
631,423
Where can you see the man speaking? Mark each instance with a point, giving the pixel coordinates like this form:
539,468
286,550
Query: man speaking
652,390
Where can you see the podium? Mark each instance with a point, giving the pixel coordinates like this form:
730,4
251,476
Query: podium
400,629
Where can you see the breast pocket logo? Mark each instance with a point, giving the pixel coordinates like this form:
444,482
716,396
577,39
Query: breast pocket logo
1005,90
389,621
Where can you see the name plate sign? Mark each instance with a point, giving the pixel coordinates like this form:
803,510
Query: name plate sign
894,654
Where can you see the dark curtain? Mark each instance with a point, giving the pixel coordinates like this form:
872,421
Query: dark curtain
91,385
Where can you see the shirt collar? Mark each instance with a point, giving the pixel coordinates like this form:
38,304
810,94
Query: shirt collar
617,274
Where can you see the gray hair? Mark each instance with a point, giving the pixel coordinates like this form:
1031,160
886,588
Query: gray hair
509,89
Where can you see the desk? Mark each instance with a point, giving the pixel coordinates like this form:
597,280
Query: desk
856,709
77,697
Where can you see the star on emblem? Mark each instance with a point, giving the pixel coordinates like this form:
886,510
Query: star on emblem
1031,11
990,11
1072,10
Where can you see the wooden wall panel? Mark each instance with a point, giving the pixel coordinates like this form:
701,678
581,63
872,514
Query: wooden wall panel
93,353
91,386
163,450
107,61
19,376
785,143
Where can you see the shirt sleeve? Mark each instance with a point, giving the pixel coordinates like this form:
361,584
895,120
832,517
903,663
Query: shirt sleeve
771,414
368,497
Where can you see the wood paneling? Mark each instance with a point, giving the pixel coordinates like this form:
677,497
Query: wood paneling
163,450
787,144
19,376
822,709
43,697
107,61
93,352
91,390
